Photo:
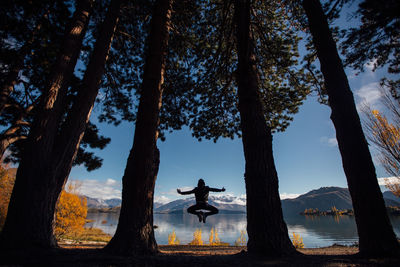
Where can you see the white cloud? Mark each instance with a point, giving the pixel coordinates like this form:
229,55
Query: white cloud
391,180
222,197
111,182
162,199
100,189
288,195
368,94
330,141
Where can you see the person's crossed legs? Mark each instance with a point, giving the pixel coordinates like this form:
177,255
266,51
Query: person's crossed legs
202,206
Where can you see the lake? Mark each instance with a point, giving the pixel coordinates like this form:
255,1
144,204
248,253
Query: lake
316,231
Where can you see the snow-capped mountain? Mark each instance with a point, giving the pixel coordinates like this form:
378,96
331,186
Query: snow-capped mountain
225,204
323,199
103,203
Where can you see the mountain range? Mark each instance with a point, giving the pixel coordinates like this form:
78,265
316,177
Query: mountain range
323,199
225,204
99,203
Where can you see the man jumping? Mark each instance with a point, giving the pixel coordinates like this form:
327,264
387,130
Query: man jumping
201,194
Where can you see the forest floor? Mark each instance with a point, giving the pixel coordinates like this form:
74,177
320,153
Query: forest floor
90,254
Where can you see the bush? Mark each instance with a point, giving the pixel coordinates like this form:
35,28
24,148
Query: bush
7,180
297,241
173,239
197,241
70,215
241,241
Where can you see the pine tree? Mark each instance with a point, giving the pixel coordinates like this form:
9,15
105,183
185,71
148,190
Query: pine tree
135,232
376,236
49,154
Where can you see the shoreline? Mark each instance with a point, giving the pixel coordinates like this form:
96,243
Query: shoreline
334,249
90,254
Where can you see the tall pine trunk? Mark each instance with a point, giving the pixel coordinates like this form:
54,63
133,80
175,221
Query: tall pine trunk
376,236
73,129
135,233
267,231
42,173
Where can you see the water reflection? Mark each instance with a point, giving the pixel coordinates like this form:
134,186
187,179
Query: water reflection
228,227
316,231
320,231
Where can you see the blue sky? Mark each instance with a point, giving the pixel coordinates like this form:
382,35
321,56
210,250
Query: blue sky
306,154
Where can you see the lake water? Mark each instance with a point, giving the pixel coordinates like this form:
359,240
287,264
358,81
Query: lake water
319,231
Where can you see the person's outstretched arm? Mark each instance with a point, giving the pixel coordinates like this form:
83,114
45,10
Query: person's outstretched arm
217,189
185,192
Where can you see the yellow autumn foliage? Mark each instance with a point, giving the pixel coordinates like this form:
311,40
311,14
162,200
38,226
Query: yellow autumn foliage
386,137
214,240
297,241
390,132
197,241
6,186
241,241
173,239
70,214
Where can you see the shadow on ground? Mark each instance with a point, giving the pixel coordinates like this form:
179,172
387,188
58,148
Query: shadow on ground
191,256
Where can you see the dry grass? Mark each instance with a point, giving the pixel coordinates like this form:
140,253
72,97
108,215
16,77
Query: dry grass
87,234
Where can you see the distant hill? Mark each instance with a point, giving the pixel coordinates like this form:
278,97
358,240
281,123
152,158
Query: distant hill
390,195
323,199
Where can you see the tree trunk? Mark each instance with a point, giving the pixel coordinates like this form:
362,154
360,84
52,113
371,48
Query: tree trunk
52,100
376,236
267,231
135,233
31,209
73,129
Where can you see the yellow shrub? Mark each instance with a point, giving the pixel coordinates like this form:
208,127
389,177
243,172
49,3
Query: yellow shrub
297,241
70,215
213,240
173,239
197,238
7,180
241,241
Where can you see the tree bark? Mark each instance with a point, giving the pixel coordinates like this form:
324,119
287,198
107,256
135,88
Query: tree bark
135,233
267,231
32,203
52,101
73,129
376,236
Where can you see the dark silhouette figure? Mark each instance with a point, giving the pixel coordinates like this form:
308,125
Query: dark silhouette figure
201,194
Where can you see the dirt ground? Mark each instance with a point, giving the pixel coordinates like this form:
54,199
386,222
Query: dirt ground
90,254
